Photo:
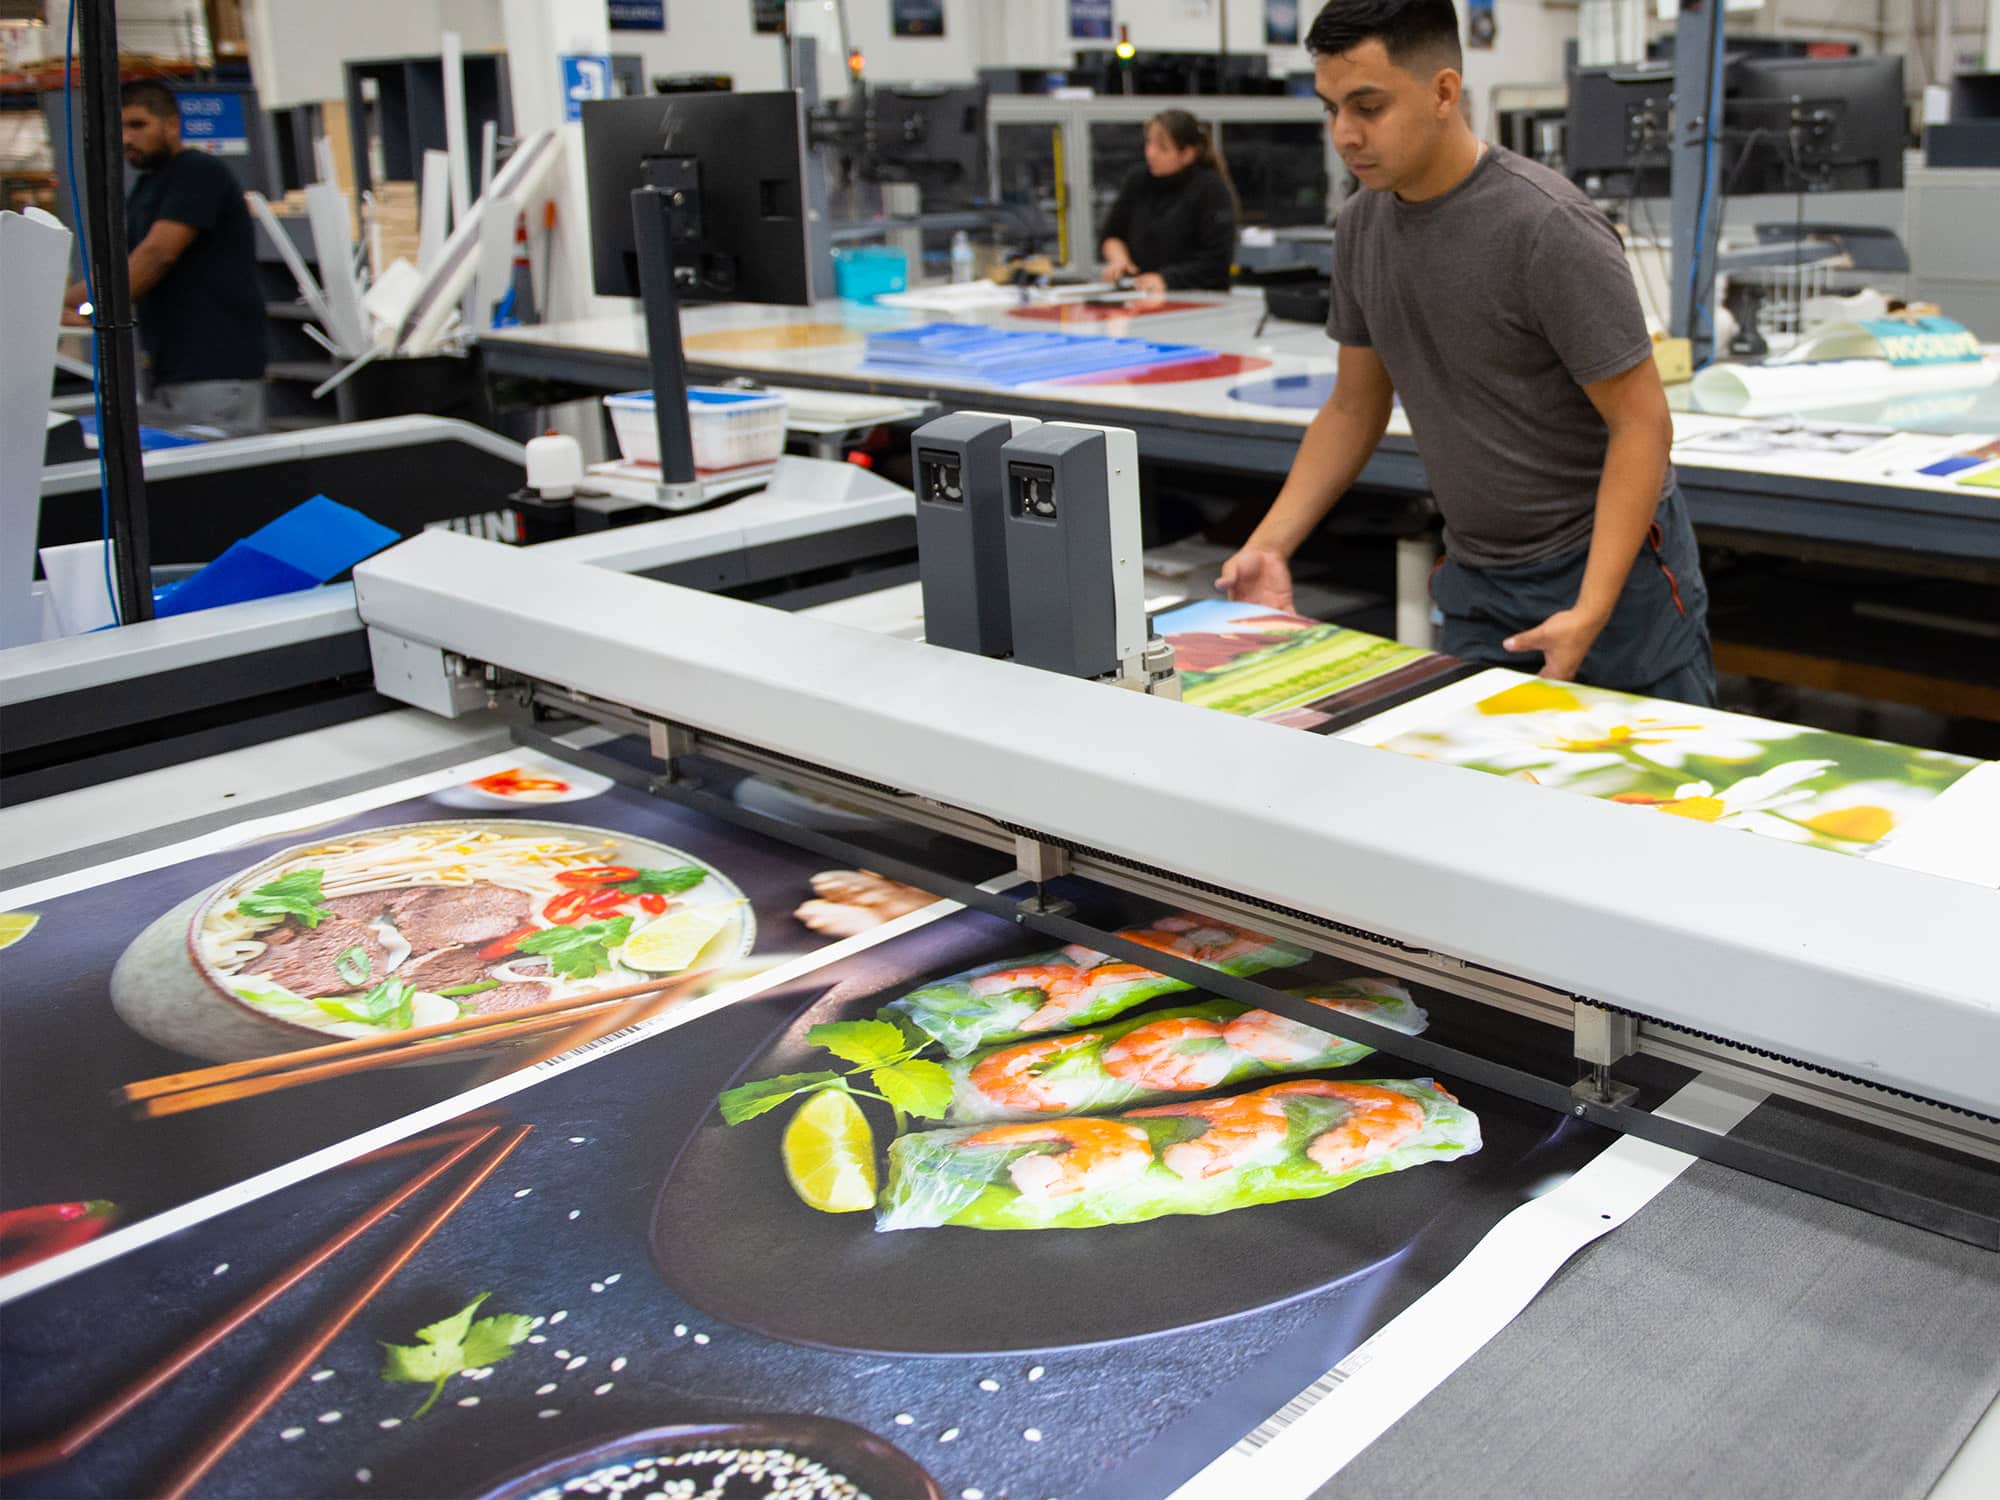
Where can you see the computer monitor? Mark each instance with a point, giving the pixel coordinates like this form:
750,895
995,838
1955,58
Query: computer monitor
1617,135
933,136
696,197
737,164
1819,124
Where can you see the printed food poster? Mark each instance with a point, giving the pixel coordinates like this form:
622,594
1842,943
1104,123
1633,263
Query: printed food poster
139,1012
964,1214
1804,786
1262,663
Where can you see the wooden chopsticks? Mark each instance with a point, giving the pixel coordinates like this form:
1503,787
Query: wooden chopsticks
73,1438
177,1093
264,1395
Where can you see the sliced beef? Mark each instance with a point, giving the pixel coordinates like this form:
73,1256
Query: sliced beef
442,970
364,906
512,996
302,958
438,916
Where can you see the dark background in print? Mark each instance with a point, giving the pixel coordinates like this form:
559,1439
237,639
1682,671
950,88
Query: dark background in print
574,1208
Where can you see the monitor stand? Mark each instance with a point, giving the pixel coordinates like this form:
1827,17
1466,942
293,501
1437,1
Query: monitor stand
652,225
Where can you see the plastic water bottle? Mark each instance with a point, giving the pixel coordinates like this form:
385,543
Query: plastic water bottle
961,256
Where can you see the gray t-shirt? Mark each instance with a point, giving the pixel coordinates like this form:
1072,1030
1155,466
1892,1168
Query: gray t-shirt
1492,306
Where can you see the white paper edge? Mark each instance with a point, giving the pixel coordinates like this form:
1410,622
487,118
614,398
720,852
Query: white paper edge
1390,1373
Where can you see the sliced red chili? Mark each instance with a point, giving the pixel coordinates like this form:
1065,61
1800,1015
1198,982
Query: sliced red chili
605,903
652,903
566,908
501,947
597,875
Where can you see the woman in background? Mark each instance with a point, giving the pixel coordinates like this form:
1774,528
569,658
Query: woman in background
1174,224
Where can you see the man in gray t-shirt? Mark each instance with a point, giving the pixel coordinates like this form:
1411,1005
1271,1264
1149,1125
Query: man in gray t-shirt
1494,298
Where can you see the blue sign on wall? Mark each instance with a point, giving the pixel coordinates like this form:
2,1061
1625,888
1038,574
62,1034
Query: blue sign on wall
213,122
584,76
638,15
1090,20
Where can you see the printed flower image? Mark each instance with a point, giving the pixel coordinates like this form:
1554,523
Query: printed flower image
1804,786
1261,663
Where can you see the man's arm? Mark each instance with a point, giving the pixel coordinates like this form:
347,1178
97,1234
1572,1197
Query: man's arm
150,260
1634,408
1331,454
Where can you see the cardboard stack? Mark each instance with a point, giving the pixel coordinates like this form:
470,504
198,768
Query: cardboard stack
395,217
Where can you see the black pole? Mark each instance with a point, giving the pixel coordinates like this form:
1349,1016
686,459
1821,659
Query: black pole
111,315
652,232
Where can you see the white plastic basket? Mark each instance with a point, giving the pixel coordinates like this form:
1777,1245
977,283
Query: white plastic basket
731,429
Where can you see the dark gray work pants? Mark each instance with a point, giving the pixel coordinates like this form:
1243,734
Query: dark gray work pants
1656,643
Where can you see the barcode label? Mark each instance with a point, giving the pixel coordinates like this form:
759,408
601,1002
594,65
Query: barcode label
1302,1403
562,1060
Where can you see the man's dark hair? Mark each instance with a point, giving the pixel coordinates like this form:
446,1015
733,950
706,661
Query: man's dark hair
1419,35
156,99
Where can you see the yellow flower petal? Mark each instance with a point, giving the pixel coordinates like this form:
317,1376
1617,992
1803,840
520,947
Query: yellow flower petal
1530,698
1864,824
1702,809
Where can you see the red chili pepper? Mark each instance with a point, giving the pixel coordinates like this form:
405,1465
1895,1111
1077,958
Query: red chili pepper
597,875
652,903
605,903
31,1234
566,908
501,947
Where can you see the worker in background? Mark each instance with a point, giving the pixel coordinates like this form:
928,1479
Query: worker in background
194,275
1173,226
1493,297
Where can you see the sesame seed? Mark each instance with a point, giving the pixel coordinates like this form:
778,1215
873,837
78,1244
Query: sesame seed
602,1389
618,1364
972,1495
578,1363
362,1476
562,1354
550,1412
1033,1434
904,1419
536,1338
701,1338
292,1434
557,1317
1036,1372
989,1385
546,1390
389,1422
524,1192
576,1140
612,1280
680,1330
576,1213
536,1322
597,1286
318,1375
468,1400
329,1417
949,1435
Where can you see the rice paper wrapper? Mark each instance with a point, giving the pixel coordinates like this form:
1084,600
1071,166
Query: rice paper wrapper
1076,986
1167,1054
936,1178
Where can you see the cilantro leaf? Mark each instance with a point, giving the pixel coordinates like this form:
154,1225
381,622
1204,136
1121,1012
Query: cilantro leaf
870,1044
917,1086
453,1344
353,965
295,895
663,882
748,1100
578,952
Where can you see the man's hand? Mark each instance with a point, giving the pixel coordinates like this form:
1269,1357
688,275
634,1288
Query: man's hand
1564,639
71,318
1152,283
1258,575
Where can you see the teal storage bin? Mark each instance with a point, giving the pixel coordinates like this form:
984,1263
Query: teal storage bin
865,272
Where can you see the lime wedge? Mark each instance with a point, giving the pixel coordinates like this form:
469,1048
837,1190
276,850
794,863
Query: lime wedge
668,944
830,1154
15,925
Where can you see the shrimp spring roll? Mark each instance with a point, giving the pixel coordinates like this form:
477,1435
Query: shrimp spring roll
1299,1139
1185,1050
1077,986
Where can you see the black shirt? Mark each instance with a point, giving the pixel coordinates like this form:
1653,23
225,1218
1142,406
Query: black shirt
1181,227
205,318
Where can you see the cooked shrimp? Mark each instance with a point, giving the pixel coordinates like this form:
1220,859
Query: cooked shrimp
1018,1077
1184,1053
1239,1131
1200,938
1272,1038
1043,977
1075,990
1090,1155
1377,1119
